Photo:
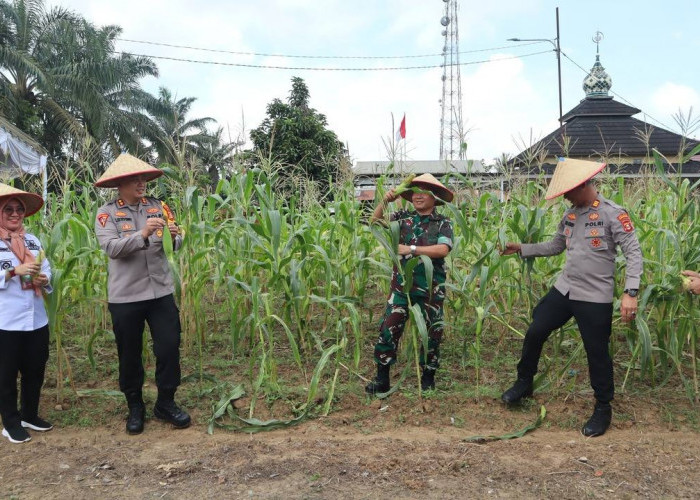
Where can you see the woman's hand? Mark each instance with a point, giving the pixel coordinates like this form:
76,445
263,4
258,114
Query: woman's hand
32,268
40,280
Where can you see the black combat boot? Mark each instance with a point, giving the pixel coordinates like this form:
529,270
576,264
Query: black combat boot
137,413
522,388
599,421
166,409
381,382
427,380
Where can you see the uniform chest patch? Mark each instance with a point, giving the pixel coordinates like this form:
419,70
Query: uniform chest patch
594,216
571,216
127,227
626,223
596,242
102,219
153,210
31,245
120,214
595,232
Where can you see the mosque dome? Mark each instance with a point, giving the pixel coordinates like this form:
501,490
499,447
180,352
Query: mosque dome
597,83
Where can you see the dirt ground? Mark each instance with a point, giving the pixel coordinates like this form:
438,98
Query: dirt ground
379,450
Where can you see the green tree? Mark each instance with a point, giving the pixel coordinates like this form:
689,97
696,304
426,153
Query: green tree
181,137
297,136
61,81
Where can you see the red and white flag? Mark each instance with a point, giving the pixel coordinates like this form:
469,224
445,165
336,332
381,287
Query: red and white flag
401,131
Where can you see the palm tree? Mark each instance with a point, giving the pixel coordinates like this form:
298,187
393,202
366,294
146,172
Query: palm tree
62,82
181,138
26,83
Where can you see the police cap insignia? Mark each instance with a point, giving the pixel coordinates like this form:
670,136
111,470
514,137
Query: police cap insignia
102,219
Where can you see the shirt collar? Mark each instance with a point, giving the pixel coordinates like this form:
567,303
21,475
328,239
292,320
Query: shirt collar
432,215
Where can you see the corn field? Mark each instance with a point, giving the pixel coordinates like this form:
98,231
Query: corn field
278,284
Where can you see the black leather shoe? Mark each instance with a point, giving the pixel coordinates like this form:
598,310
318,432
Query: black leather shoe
381,382
427,380
170,412
599,421
134,422
522,388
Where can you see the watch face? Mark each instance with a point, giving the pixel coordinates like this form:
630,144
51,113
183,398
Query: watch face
632,292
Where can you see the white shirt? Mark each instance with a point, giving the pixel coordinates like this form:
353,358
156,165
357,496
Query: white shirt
21,310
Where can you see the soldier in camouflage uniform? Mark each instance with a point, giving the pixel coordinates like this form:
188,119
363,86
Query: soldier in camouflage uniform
422,232
590,232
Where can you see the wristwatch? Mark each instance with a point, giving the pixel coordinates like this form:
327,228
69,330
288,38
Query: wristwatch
413,250
632,292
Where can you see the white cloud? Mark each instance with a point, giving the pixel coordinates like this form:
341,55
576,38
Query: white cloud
671,97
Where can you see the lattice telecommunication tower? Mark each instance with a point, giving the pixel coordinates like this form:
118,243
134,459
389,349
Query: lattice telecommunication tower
451,125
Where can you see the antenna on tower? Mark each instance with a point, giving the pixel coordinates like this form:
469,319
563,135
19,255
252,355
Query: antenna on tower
451,125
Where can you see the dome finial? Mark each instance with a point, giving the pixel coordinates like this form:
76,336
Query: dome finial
597,83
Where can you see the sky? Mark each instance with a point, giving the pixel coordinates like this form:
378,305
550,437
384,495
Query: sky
508,101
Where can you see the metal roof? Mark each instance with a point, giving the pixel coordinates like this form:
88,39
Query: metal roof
603,127
435,167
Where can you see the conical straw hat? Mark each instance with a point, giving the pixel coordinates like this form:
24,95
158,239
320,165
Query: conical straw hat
126,166
430,183
570,174
32,202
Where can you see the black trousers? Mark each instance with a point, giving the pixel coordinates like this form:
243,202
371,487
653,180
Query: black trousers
595,324
24,353
128,322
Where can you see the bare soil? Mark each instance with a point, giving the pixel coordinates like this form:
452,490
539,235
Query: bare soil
391,449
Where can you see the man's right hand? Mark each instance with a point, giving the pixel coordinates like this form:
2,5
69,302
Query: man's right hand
390,196
510,249
152,225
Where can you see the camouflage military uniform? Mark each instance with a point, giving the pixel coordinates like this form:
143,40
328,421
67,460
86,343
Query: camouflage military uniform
419,230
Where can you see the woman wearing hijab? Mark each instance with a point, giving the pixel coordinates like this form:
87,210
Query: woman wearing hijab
24,331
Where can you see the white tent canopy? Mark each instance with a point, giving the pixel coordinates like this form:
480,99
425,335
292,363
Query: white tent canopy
19,153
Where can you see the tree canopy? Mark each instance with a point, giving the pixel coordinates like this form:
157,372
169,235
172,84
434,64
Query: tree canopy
295,134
